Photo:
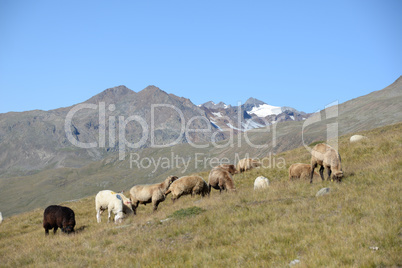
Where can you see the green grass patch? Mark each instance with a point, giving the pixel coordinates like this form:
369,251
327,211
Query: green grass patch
186,212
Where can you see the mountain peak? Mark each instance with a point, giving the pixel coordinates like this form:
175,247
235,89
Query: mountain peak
253,101
152,92
152,88
213,105
112,94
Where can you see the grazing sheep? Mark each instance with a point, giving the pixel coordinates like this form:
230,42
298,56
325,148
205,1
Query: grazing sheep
220,179
247,164
326,156
55,217
261,183
299,170
230,168
356,138
1,218
113,202
155,193
188,185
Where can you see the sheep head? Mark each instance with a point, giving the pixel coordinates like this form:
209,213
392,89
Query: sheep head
338,175
171,179
229,168
233,170
68,229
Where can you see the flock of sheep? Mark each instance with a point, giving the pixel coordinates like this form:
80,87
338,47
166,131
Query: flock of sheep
220,178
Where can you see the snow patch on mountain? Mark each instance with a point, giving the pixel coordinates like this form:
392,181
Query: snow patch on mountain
233,127
218,114
264,110
250,124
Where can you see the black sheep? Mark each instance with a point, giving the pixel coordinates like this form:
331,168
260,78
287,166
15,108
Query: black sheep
58,217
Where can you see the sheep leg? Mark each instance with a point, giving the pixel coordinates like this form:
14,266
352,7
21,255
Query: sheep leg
134,206
46,231
313,166
98,216
322,172
209,189
55,229
329,173
108,215
156,203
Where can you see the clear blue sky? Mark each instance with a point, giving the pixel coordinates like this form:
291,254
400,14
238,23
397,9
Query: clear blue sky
303,54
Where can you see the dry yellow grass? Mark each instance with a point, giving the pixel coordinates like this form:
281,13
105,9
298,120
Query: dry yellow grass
268,228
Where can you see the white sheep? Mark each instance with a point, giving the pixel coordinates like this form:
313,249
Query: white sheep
155,193
356,138
113,202
261,183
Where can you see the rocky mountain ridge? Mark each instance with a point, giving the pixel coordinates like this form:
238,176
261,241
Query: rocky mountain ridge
117,120
252,114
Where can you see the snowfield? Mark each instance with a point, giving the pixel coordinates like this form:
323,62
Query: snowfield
265,110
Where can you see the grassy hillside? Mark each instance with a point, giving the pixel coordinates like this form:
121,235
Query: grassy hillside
247,229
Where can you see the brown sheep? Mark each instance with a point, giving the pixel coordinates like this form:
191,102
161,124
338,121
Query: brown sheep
326,156
247,164
230,168
220,179
55,217
299,170
155,193
188,185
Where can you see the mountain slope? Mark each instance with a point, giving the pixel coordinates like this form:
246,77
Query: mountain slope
120,120
37,140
